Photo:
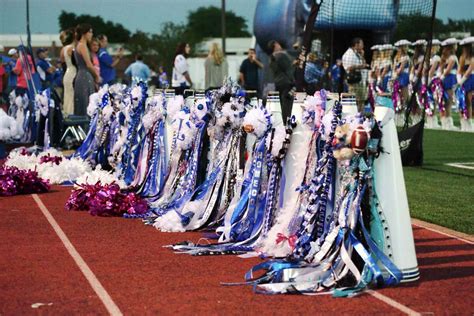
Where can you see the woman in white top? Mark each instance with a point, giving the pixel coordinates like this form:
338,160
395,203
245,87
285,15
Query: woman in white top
67,39
216,68
181,79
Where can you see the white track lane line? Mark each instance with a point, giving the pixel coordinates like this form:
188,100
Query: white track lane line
393,303
109,304
443,233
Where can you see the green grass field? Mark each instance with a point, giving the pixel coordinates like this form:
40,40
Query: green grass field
442,194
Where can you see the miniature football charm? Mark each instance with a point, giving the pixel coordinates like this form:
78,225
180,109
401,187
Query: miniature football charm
359,140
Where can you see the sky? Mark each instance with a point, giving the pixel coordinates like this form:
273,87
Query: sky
148,15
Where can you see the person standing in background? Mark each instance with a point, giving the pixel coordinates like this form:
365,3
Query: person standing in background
385,67
107,63
86,78
180,78
335,75
215,68
353,62
249,71
44,68
12,77
282,69
138,71
70,73
3,79
401,69
94,48
24,75
163,78
313,74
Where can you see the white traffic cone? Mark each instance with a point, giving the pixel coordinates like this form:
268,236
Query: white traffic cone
390,187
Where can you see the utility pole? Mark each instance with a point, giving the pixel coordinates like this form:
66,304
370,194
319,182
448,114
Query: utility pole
223,24
28,33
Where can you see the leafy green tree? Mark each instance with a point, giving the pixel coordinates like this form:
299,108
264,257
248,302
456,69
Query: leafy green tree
165,43
416,26
460,26
407,24
205,22
140,42
116,32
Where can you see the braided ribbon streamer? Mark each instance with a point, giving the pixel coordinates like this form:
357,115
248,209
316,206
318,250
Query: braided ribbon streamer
423,100
438,94
396,98
461,98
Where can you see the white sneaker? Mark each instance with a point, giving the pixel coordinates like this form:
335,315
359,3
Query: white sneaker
432,122
467,125
450,124
443,123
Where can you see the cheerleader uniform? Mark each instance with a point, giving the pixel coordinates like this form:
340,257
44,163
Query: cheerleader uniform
469,83
435,59
416,68
404,77
450,80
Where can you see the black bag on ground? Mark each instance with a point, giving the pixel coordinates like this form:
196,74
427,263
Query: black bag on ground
410,141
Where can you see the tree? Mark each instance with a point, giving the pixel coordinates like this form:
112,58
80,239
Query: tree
140,42
205,22
415,26
116,32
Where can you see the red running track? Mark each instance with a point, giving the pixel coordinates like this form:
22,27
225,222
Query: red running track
142,277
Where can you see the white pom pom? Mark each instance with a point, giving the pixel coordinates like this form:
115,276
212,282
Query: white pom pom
257,118
169,222
153,115
173,106
200,110
326,125
93,103
136,94
24,162
103,176
107,112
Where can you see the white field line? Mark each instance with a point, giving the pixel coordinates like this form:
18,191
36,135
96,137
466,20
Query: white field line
387,300
109,304
461,165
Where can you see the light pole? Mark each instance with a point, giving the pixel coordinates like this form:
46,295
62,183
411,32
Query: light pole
223,24
28,33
